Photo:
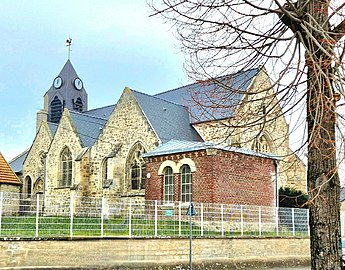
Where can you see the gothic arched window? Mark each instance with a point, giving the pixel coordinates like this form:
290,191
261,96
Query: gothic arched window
261,144
66,168
186,183
136,167
28,184
55,110
168,177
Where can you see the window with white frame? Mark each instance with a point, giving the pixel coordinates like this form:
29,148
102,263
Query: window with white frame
168,176
66,168
186,183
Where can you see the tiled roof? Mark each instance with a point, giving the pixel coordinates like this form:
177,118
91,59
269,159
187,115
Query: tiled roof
7,176
177,146
169,120
17,162
88,127
214,99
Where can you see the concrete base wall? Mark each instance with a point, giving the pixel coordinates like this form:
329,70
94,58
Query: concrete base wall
152,253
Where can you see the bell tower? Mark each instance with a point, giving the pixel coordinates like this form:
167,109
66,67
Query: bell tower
67,91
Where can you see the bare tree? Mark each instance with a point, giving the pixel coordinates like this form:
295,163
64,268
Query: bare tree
301,43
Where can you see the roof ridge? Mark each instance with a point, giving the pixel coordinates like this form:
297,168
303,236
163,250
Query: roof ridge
154,96
99,108
19,155
88,115
208,80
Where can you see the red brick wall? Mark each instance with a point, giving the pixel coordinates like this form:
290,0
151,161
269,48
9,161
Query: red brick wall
222,177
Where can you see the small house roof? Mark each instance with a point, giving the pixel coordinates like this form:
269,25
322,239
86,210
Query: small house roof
7,176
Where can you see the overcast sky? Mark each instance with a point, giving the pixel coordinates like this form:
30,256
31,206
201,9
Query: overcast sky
115,44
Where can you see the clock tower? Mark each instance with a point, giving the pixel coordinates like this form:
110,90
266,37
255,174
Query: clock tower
67,91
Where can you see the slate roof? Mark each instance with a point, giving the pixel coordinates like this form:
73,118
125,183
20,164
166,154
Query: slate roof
178,146
88,127
103,112
169,120
17,162
214,99
53,127
7,176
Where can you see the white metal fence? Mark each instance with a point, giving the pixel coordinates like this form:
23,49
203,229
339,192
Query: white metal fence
104,217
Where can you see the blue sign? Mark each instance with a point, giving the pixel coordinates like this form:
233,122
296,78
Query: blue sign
169,213
191,210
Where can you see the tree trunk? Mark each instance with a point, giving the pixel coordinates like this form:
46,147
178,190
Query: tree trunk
322,175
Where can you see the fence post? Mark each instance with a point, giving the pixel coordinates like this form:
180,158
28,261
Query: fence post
260,220
241,220
179,218
156,219
308,222
71,210
1,198
222,218
293,220
37,212
277,220
130,219
102,216
202,219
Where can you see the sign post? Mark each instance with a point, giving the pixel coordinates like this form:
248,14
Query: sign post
190,212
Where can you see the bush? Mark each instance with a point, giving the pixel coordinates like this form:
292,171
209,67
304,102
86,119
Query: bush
289,197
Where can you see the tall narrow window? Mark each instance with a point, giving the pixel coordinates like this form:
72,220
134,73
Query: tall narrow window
78,104
104,172
261,144
28,186
136,167
66,168
186,184
168,184
55,110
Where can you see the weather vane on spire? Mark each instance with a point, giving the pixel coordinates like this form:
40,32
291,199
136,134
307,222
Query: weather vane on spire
69,44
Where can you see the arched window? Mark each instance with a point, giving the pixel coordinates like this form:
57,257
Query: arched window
66,168
55,110
78,104
136,167
261,144
186,183
168,177
28,185
106,181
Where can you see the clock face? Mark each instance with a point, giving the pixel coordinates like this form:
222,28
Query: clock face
78,84
57,82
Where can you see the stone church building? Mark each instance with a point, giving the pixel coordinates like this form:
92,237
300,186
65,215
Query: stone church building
219,141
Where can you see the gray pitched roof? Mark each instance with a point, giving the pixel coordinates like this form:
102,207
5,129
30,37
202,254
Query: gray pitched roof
103,112
53,127
169,120
17,162
178,146
88,127
214,99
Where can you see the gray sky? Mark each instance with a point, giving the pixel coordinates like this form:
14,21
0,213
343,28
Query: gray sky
115,44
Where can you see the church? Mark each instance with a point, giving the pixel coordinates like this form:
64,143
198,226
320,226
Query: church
217,141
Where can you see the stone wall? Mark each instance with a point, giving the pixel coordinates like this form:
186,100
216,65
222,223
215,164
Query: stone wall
154,253
259,114
33,166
